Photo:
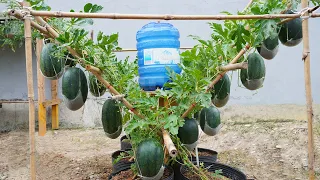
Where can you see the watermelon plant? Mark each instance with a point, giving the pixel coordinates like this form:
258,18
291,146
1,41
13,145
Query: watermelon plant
199,66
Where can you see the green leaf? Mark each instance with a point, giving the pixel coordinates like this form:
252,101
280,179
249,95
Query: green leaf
100,35
203,42
113,38
96,8
87,7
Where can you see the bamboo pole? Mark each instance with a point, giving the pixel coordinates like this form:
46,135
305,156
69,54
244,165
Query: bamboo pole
230,67
28,51
55,106
41,92
306,58
169,144
61,14
210,86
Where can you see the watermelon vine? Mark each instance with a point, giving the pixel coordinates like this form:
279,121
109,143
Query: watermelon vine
199,66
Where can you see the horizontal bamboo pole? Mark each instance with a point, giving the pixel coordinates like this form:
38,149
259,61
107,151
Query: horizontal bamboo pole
61,14
230,67
210,86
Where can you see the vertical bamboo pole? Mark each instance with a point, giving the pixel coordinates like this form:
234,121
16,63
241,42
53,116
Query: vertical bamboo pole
28,51
307,78
41,95
55,107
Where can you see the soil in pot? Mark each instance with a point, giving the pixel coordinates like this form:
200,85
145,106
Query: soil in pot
205,153
116,154
128,175
226,172
193,176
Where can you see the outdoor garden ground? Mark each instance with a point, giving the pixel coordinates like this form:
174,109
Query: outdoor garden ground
265,142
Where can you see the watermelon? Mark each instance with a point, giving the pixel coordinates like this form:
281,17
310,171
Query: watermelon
210,120
95,86
253,77
221,93
291,32
189,133
269,47
149,158
111,119
74,88
51,67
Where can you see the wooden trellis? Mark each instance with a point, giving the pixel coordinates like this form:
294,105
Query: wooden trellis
50,32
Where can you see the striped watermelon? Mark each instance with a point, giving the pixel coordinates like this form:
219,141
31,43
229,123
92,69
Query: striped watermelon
74,88
51,67
210,120
189,133
149,159
269,47
291,32
253,77
221,93
111,119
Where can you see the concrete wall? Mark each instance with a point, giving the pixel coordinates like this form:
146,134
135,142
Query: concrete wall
284,83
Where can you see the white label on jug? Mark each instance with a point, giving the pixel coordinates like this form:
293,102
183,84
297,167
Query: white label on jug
161,56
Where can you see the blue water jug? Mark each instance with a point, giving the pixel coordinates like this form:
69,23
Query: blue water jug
158,46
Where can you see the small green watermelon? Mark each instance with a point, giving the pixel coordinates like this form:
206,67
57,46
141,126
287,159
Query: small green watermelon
111,119
269,47
221,93
189,133
74,88
210,120
51,67
291,32
149,159
253,77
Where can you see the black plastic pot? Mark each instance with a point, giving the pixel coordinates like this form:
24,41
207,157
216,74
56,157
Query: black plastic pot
121,163
208,159
176,169
227,171
127,167
124,145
